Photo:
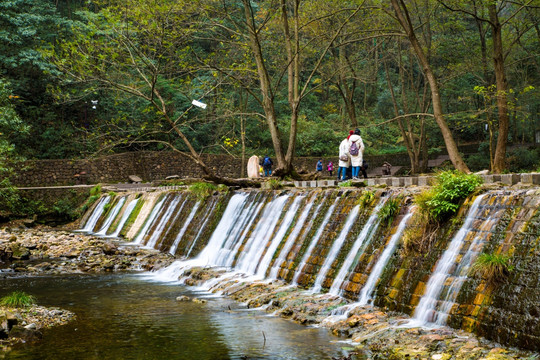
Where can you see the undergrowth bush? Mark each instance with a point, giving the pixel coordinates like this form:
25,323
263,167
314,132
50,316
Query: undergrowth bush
389,211
365,199
273,184
492,267
444,198
18,299
202,189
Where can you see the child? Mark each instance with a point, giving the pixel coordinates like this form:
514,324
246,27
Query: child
330,168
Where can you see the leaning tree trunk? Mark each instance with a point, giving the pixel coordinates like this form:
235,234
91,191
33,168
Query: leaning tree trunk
405,22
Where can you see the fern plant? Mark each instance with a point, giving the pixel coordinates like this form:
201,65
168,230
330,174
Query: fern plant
389,211
202,189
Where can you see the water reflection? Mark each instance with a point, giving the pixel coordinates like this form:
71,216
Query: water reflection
121,317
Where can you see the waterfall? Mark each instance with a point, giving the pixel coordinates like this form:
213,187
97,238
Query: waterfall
149,221
276,240
292,237
230,218
424,312
314,242
369,286
151,243
124,218
111,217
369,229
336,247
192,213
202,227
256,244
96,214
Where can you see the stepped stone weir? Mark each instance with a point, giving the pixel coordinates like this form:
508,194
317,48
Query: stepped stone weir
321,239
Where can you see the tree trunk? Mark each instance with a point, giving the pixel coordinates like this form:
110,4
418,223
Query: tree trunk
499,162
265,85
405,22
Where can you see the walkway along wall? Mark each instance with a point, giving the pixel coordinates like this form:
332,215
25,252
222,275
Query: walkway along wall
334,241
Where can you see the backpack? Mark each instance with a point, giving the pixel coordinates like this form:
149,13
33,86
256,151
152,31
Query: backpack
267,161
354,149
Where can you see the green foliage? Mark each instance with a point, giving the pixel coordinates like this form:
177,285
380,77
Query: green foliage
273,184
96,190
365,199
523,159
444,198
492,267
389,211
347,183
18,299
202,189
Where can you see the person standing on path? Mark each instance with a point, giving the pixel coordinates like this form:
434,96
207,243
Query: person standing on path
267,166
343,159
356,152
319,166
330,167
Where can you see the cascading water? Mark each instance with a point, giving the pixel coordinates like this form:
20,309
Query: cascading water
293,236
125,216
149,221
96,214
111,217
276,240
314,242
180,235
201,229
363,239
369,286
256,244
334,250
425,310
156,234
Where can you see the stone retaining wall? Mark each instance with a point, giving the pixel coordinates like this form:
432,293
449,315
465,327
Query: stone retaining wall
149,166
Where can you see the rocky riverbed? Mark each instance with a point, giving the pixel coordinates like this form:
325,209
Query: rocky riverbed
44,251
371,333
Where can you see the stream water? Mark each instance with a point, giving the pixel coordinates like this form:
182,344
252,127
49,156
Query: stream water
124,317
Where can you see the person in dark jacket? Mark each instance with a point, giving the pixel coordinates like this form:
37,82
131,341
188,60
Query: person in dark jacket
267,166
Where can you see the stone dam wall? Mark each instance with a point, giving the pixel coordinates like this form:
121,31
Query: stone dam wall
334,241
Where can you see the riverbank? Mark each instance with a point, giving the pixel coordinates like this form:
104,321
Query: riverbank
370,332
45,251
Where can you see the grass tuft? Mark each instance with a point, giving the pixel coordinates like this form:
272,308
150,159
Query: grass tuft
18,299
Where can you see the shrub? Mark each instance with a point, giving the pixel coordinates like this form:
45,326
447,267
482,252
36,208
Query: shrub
389,211
444,198
347,183
202,189
18,299
492,267
365,199
273,184
522,159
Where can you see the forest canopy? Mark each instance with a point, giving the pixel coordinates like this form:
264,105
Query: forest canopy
284,77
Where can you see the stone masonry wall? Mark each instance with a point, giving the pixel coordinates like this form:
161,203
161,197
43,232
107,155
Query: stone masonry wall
149,166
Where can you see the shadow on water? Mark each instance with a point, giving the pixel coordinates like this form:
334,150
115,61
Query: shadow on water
121,317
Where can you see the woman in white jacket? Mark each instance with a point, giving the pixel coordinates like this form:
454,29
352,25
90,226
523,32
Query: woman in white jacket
343,164
356,160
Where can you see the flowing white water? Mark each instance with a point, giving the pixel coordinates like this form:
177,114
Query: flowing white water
425,310
369,229
367,290
177,213
292,238
227,224
92,221
276,240
111,217
151,243
149,221
253,249
314,242
201,228
334,250
180,235
234,241
124,218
